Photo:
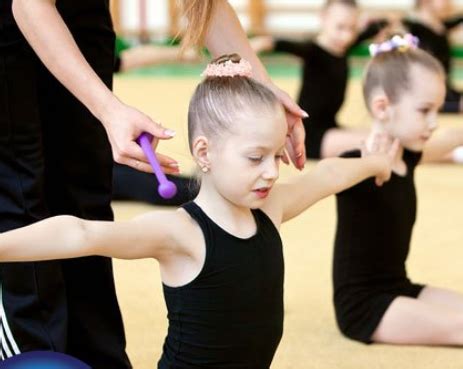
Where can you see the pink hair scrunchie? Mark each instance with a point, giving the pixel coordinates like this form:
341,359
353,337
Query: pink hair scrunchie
228,69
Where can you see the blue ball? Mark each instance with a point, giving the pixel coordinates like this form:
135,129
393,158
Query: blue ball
43,360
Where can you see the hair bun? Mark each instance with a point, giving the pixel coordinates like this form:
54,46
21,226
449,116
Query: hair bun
229,65
235,58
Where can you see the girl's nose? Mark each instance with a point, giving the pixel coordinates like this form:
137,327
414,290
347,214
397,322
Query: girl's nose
432,121
271,171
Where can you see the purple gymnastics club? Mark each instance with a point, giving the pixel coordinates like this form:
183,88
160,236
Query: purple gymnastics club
166,188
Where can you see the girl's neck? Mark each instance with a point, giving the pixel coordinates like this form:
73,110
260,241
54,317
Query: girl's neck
428,18
235,219
324,43
399,167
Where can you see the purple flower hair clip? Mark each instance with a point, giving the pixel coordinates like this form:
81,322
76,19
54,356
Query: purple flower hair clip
401,43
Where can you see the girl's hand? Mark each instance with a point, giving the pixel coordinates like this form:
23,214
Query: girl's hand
123,125
385,149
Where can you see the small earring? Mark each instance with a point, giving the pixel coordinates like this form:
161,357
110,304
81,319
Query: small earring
205,169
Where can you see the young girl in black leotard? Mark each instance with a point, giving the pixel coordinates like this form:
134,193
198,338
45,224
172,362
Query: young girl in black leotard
325,75
220,256
432,25
373,297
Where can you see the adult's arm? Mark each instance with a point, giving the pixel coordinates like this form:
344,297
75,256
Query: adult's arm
226,36
47,33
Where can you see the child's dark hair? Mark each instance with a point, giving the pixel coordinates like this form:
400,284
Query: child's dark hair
219,101
390,71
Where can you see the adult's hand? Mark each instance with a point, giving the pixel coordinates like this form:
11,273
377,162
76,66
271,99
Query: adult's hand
49,36
124,124
295,145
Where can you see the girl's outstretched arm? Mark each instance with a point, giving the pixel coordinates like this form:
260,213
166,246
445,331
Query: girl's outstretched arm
331,176
453,22
441,145
62,237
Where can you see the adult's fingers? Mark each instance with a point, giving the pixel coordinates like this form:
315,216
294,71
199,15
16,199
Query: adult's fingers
167,162
168,165
158,131
130,152
289,104
297,138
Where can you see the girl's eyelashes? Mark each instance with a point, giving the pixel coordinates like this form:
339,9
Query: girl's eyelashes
424,110
259,159
256,159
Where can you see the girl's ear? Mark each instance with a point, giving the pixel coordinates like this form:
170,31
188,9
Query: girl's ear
201,153
380,107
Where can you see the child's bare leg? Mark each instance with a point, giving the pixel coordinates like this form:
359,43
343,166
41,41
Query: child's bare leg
410,321
336,141
442,297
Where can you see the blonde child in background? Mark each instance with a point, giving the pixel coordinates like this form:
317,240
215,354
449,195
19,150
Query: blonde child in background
374,299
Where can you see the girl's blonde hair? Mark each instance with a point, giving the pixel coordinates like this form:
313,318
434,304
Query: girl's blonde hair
390,71
219,101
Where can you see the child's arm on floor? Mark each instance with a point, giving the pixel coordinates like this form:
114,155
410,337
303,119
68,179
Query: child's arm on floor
62,237
372,28
453,22
329,177
442,144
297,48
262,43
150,55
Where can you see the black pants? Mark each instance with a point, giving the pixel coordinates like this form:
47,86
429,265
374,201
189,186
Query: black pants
452,103
133,185
55,159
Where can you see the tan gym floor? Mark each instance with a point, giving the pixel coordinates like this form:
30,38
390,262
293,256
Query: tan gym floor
310,339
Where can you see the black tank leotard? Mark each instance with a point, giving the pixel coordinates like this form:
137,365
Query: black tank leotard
231,315
372,243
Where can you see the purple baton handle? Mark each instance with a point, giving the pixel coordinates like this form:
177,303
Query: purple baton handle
166,188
